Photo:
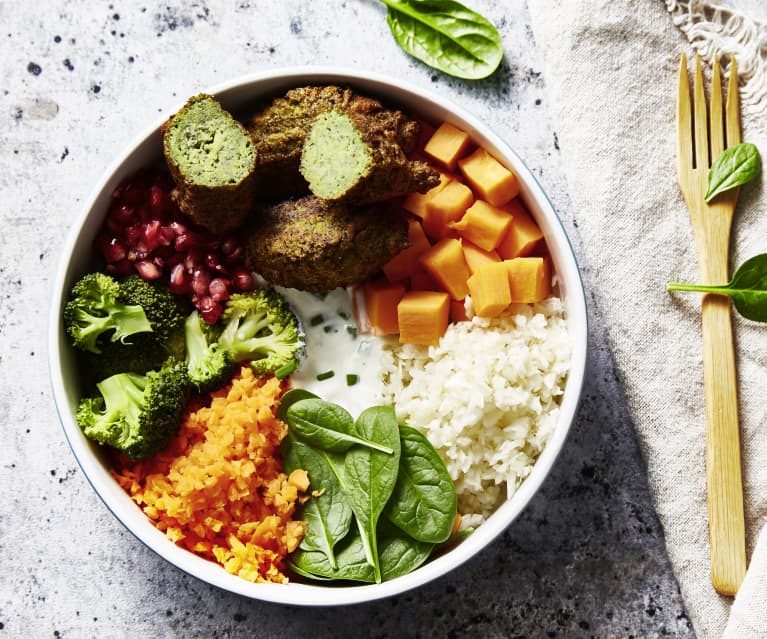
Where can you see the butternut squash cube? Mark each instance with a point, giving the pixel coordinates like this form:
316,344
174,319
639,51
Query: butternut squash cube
404,263
447,145
490,290
522,236
529,279
483,225
415,203
423,317
448,205
381,299
491,180
476,257
445,262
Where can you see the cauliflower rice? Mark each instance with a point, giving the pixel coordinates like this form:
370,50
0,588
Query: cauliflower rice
487,397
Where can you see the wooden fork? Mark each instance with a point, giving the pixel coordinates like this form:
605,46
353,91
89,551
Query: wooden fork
701,138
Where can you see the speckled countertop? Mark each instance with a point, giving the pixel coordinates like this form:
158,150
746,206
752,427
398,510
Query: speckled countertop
79,81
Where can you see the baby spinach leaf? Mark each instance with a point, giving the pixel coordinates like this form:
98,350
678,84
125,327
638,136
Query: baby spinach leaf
291,397
399,553
446,35
325,425
735,166
424,502
371,475
747,288
327,513
351,560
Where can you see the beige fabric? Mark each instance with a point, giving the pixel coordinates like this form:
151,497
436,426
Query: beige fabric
611,73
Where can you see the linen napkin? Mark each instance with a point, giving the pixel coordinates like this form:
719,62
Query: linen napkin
611,73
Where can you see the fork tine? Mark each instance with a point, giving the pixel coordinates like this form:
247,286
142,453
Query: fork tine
716,116
733,109
700,119
683,121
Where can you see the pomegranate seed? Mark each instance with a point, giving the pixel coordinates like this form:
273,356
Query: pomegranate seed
124,214
210,310
192,261
235,257
178,228
219,289
112,249
132,234
179,280
200,281
150,234
229,245
148,270
243,281
166,236
158,201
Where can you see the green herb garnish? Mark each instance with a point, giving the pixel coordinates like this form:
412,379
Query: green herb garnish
446,35
326,375
747,288
737,165
316,320
352,379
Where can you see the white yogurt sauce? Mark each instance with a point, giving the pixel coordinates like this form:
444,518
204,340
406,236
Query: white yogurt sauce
333,345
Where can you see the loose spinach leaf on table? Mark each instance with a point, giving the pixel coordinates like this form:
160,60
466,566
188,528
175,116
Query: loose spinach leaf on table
747,288
370,475
326,426
423,503
446,35
327,512
735,166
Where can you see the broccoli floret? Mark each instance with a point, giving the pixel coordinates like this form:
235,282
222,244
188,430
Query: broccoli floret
165,311
137,414
260,328
209,364
95,307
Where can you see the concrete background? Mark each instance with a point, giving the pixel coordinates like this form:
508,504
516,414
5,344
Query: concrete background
79,81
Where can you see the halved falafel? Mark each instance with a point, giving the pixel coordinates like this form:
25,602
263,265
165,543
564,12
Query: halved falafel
212,160
315,245
279,131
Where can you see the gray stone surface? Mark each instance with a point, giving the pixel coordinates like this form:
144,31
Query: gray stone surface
79,80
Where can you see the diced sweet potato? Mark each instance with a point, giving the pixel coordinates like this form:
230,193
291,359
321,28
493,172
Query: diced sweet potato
476,257
447,206
491,180
529,279
446,263
458,311
522,236
483,225
415,203
422,317
447,145
490,290
381,299
404,263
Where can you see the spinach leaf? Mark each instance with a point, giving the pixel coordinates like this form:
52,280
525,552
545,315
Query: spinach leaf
326,425
747,288
424,502
327,513
371,475
735,166
446,35
399,553
288,399
352,564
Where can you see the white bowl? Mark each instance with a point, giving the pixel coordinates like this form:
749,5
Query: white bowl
77,256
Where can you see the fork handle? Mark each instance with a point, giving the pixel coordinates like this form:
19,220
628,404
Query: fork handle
725,492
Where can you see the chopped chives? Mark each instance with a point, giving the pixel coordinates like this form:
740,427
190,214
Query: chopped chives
325,375
352,330
343,314
352,379
316,320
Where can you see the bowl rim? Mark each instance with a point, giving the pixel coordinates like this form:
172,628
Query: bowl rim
299,593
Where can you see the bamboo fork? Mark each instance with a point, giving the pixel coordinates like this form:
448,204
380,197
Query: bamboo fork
701,138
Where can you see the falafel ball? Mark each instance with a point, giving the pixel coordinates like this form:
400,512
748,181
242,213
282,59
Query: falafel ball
348,157
280,129
315,245
212,161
